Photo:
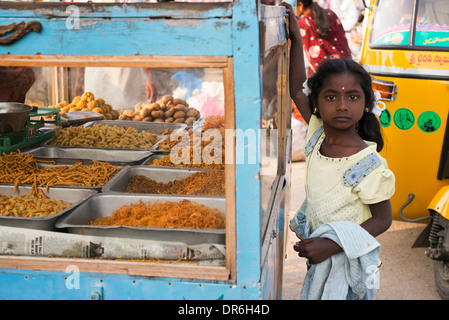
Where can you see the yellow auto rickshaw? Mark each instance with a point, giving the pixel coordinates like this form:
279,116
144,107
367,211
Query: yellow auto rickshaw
406,50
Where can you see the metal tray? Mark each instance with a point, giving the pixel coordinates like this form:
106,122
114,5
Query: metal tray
165,174
152,148
46,165
104,204
154,127
153,157
71,155
74,195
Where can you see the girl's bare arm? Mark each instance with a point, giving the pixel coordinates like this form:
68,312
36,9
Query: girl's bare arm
381,218
297,66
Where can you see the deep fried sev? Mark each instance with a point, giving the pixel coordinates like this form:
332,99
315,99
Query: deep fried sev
171,214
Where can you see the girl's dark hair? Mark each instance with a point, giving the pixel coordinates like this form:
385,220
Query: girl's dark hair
369,127
320,17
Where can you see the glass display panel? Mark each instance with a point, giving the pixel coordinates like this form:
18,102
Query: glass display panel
182,96
432,24
124,88
392,23
271,111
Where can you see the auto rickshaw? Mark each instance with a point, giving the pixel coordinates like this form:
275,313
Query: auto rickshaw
406,50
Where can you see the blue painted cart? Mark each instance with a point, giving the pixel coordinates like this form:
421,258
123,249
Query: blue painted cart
247,42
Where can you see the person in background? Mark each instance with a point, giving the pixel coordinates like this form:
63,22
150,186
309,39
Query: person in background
346,11
121,87
351,17
15,82
322,34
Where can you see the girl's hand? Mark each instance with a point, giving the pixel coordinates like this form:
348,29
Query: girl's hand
316,250
292,22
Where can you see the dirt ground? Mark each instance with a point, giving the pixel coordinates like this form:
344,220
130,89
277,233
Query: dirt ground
406,273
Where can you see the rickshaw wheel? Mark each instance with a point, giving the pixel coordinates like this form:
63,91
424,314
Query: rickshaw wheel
441,275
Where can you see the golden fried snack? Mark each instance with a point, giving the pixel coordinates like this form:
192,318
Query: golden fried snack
87,101
104,136
210,122
30,206
170,214
20,168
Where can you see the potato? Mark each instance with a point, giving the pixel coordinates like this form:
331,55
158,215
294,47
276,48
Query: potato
145,112
170,119
190,120
157,114
137,117
158,120
154,106
181,107
179,114
169,113
166,99
192,112
128,113
138,107
144,105
179,120
179,101
149,118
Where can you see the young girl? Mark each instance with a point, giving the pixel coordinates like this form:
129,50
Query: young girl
346,179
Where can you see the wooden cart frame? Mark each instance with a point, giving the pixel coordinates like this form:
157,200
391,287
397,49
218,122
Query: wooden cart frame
232,36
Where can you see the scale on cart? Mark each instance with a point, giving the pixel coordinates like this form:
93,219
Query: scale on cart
22,125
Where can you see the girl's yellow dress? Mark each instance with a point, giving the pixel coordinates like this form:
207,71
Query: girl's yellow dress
341,189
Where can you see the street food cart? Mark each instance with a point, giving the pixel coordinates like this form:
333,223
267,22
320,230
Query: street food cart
243,45
406,51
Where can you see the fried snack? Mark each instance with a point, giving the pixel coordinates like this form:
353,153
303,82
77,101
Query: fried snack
104,136
87,101
210,122
166,109
170,214
23,169
30,206
207,183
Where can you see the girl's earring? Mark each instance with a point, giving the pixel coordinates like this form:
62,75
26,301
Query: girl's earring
315,110
366,109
